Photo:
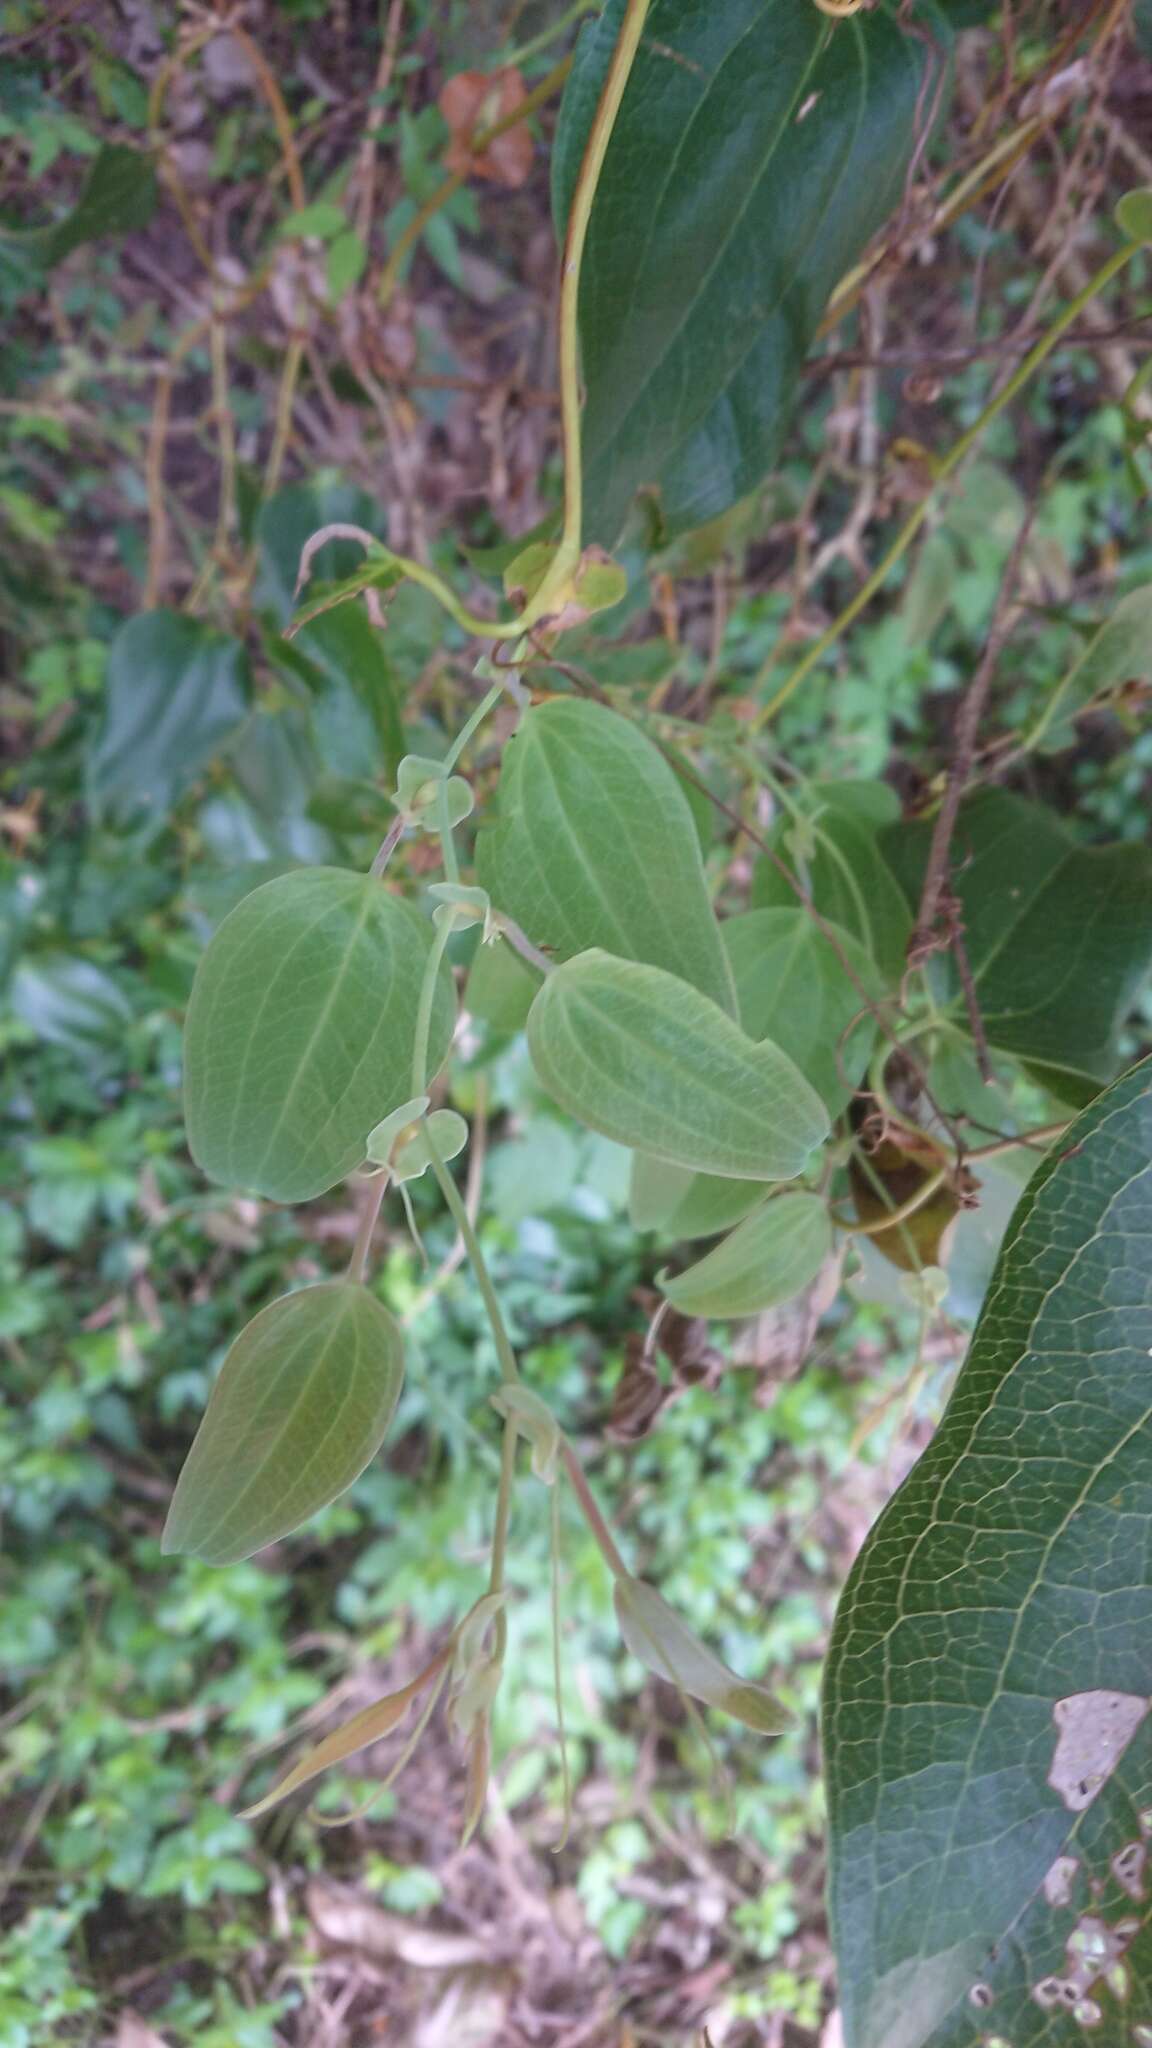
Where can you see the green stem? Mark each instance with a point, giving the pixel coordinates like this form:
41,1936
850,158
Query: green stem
466,731
503,1509
533,47
459,1214
444,826
946,468
567,557
427,999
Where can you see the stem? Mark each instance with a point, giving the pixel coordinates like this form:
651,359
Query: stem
427,998
466,731
503,1507
583,199
533,47
444,826
567,557
358,1263
460,1217
595,1520
946,468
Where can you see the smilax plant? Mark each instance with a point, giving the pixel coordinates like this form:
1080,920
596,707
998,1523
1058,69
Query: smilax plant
832,1078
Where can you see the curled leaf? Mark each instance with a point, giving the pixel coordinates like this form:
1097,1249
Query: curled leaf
535,1421
772,1255
358,1733
655,1634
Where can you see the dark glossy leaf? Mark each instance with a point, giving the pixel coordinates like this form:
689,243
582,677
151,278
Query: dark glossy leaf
647,1060
595,846
300,1030
1059,936
834,852
759,147
302,1404
986,1732
175,693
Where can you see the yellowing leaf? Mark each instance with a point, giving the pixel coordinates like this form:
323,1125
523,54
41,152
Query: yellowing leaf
364,1728
655,1634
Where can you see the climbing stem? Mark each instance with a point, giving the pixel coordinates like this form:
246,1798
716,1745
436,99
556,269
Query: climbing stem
443,932
595,1520
460,1217
944,469
555,586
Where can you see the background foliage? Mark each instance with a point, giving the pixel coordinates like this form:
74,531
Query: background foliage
197,372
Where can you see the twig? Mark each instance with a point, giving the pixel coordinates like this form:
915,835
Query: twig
365,172
938,921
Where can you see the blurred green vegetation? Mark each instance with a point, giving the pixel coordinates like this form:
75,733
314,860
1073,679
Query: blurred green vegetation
142,1693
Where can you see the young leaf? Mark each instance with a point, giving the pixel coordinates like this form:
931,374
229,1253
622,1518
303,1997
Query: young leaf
176,691
794,986
302,1404
775,1253
758,148
845,873
641,1057
300,1030
986,1732
1058,936
655,1634
596,847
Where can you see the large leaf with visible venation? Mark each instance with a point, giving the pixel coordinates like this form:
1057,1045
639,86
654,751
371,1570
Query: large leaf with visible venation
175,692
595,846
301,1028
302,1403
1059,936
758,148
645,1059
986,1732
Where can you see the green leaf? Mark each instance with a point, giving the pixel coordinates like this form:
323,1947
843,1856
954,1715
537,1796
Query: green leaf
1120,652
117,198
300,1030
323,219
1059,936
795,988
655,1634
992,1652
845,871
772,1255
302,1404
175,692
645,1059
501,987
596,847
347,261
1134,214
759,147
353,660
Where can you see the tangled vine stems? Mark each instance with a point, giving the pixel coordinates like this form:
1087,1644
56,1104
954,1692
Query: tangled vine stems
945,468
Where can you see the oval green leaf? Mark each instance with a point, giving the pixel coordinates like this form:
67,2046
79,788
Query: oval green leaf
638,1055
774,1254
300,1030
302,1404
596,847
808,989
